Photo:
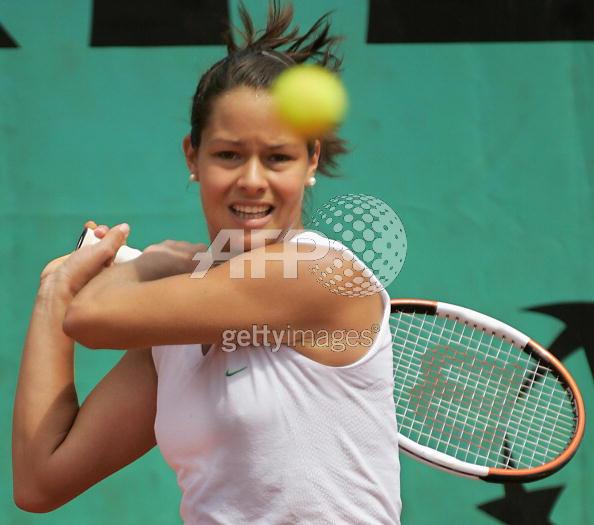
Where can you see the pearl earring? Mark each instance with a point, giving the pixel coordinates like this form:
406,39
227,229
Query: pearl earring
193,177
311,181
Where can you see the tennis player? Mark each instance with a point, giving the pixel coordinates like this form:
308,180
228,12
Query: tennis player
294,429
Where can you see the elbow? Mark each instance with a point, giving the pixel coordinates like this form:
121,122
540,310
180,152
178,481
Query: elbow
28,504
39,491
31,500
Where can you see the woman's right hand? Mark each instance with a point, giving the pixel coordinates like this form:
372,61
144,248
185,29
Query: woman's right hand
52,276
53,265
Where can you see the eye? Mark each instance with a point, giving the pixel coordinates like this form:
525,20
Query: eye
279,157
227,155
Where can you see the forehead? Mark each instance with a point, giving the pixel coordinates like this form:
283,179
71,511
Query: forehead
247,114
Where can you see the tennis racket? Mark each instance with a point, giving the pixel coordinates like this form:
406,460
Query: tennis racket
478,398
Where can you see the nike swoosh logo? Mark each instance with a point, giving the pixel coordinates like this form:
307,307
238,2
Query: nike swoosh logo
228,373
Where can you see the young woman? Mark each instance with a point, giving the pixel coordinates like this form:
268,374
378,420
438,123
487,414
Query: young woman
302,431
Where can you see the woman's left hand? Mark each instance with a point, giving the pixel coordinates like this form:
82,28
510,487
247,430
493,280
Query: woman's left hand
168,258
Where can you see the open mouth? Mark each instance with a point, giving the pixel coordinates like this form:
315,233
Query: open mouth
251,212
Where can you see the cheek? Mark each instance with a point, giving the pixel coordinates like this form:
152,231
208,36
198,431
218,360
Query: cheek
214,186
291,188
211,195
292,203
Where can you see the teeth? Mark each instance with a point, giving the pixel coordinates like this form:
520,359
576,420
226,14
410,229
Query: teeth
242,215
251,212
251,209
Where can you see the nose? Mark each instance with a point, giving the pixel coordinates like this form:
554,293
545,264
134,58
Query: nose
252,179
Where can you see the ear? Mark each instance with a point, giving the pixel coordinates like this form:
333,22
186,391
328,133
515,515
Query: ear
314,159
191,155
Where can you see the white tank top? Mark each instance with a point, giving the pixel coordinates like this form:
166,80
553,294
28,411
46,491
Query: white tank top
272,437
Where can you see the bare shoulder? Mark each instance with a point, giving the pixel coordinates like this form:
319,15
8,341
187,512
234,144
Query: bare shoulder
340,306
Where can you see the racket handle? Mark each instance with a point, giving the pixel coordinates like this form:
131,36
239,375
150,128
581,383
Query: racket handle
125,253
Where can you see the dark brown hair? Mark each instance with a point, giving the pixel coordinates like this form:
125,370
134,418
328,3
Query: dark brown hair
258,61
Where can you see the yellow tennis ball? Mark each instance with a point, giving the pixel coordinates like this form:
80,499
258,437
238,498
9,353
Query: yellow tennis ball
310,99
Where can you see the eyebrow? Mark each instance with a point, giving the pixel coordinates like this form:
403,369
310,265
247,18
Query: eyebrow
240,143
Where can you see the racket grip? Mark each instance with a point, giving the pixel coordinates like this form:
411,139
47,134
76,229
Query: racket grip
125,253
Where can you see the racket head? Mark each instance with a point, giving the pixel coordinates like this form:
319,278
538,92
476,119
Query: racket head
478,398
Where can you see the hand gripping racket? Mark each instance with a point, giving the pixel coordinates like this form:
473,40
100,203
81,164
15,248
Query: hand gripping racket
478,398
125,253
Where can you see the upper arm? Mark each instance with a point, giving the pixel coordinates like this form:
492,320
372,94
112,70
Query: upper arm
184,310
113,427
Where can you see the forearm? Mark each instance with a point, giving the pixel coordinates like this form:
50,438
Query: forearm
104,291
101,306
103,287
105,284
46,403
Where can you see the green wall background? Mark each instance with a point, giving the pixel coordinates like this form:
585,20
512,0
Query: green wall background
486,151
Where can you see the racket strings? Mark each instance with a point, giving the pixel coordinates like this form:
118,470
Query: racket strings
466,340
456,428
464,392
465,435
491,388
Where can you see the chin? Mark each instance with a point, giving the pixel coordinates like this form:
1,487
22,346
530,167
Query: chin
258,237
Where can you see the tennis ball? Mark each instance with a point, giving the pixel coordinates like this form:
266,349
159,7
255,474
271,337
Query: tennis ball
310,99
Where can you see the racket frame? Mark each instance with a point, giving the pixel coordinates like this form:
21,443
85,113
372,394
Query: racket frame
493,326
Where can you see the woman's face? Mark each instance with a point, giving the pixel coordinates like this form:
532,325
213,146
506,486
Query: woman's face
252,168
